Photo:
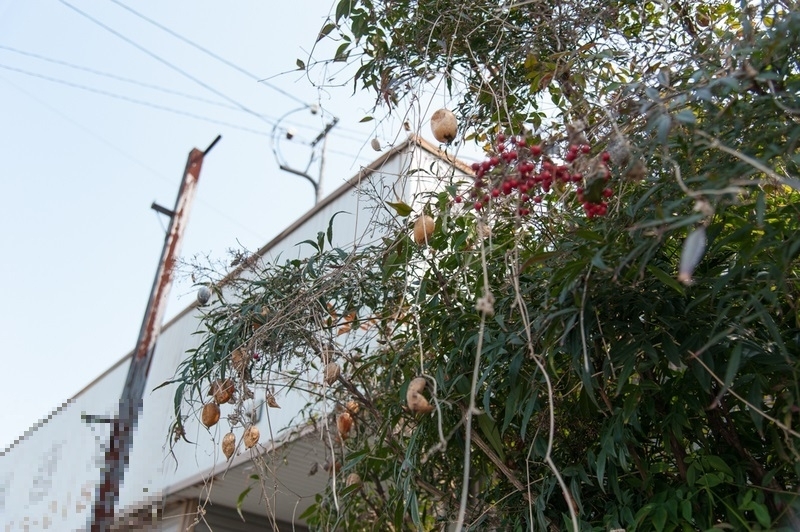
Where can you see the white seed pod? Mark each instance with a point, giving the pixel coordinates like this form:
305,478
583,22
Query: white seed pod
423,229
228,445
444,126
251,436
332,371
416,401
376,144
203,295
694,247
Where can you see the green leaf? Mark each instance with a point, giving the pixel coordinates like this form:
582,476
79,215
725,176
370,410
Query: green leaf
662,276
733,367
762,514
601,469
686,117
240,501
343,9
326,29
366,119
400,208
660,518
300,64
308,513
341,52
492,434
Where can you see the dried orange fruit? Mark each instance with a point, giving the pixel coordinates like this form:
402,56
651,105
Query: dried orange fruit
416,401
222,390
251,436
352,407
210,414
239,360
228,445
344,422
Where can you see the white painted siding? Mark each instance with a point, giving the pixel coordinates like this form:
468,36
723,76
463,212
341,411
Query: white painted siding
47,480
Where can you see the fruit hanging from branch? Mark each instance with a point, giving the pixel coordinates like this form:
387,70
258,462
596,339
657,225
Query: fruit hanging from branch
423,229
228,445
444,126
344,422
416,401
222,390
332,371
210,414
251,436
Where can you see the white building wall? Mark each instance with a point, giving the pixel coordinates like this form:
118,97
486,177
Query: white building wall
47,480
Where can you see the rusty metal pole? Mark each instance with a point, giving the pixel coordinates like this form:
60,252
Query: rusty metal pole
130,404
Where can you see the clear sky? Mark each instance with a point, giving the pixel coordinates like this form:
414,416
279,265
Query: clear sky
80,164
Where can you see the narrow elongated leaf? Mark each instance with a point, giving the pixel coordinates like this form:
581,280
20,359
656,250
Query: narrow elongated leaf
400,208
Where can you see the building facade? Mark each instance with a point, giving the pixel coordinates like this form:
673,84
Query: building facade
48,477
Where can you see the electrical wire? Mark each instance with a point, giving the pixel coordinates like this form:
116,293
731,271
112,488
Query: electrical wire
220,59
156,87
118,78
211,54
167,63
133,100
138,162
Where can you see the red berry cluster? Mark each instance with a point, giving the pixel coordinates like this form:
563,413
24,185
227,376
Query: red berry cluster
516,170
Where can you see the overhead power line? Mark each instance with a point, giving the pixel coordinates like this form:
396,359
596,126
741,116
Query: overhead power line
221,59
118,78
167,63
210,53
133,100
104,140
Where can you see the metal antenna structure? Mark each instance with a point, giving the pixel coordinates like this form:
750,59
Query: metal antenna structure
317,145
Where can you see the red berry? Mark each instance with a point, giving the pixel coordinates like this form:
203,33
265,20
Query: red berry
476,166
607,192
494,161
537,199
571,156
501,138
459,199
585,148
536,150
605,156
495,193
478,205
